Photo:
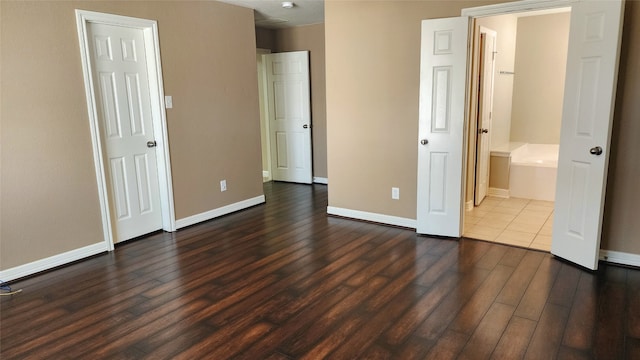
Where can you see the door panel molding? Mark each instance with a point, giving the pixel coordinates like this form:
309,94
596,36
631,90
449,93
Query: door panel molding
160,131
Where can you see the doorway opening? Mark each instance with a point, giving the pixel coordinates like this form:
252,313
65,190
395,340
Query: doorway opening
514,143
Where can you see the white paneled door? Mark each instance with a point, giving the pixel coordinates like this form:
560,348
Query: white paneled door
590,87
443,75
121,87
485,111
289,107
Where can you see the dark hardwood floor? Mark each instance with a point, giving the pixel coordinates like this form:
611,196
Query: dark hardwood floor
284,281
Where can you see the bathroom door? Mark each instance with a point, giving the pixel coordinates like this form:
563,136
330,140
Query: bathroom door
289,113
589,97
485,111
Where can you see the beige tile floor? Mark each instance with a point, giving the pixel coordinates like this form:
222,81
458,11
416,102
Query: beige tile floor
520,222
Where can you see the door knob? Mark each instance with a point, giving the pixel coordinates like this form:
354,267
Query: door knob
596,150
305,126
151,143
483,131
424,141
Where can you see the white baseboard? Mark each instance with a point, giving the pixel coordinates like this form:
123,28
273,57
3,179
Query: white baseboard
468,206
320,180
501,193
618,257
368,216
212,214
52,261
266,174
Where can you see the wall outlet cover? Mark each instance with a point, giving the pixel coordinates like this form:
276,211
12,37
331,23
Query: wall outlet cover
395,193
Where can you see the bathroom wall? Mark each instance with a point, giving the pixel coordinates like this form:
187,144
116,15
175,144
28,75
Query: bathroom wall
538,87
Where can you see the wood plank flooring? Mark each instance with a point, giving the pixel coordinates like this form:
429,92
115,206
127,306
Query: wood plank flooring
285,281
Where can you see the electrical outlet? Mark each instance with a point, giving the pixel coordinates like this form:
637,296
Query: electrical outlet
395,193
223,185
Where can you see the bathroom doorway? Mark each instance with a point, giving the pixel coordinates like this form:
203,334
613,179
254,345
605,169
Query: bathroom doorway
522,135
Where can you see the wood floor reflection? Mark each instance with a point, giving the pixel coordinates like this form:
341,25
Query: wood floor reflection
285,281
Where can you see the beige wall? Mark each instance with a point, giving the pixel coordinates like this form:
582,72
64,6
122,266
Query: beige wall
311,38
49,192
621,225
265,38
372,111
499,175
540,66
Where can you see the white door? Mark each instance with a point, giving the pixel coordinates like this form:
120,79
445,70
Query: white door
264,124
485,103
443,76
289,116
589,97
121,85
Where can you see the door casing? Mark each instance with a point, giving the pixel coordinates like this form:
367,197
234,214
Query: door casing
152,46
264,114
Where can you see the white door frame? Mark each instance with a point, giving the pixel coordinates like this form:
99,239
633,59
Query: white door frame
264,116
152,46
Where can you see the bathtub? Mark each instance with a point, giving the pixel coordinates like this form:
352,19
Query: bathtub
533,171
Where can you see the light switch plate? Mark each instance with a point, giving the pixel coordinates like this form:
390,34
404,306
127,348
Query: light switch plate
168,102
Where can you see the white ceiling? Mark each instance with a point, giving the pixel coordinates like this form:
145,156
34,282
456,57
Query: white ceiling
270,13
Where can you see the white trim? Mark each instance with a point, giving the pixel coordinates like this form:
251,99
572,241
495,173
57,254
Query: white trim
514,7
468,206
320,180
211,214
265,148
369,216
152,46
501,193
51,262
618,257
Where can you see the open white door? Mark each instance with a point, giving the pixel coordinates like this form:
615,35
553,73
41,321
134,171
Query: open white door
487,69
590,86
289,116
123,97
443,76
